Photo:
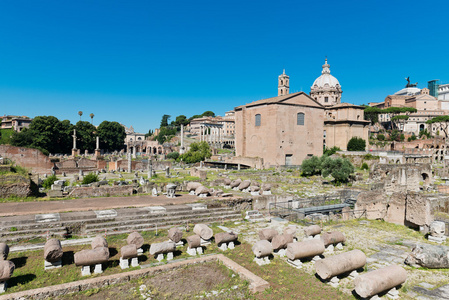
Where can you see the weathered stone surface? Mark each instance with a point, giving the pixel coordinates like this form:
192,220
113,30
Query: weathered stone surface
339,264
334,237
53,250
429,256
255,183
225,237
418,210
175,234
202,190
128,251
374,203
194,241
236,183
266,187
290,230
262,248
267,234
99,242
135,238
280,241
375,282
254,188
227,181
4,251
437,229
92,257
244,185
305,249
312,230
161,248
204,231
191,186
6,269
396,208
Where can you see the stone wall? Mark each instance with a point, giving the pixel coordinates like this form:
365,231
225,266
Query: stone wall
202,174
14,185
29,158
253,162
102,191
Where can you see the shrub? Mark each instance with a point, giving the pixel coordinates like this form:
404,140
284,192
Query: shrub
381,137
173,155
356,144
197,152
339,168
331,151
311,166
365,166
49,181
89,178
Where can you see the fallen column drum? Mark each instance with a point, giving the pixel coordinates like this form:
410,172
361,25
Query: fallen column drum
305,249
262,248
375,282
92,257
339,264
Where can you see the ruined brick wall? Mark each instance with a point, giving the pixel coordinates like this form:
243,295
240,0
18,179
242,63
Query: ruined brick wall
102,191
14,185
29,158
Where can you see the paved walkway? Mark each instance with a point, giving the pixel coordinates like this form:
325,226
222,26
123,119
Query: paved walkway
83,204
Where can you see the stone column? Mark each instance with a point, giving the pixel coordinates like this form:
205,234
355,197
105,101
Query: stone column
129,162
181,151
134,151
97,150
74,150
150,169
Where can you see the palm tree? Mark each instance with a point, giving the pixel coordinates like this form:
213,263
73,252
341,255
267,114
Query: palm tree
92,118
80,113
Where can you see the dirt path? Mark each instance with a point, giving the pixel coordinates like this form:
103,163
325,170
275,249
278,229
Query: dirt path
40,207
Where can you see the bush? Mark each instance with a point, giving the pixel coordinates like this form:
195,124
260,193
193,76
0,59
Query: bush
197,152
49,181
89,178
365,166
173,155
356,144
311,166
339,168
381,137
331,151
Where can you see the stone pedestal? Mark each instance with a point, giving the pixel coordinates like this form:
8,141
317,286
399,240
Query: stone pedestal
199,250
205,242
140,251
334,281
436,239
134,262
295,263
231,245
262,260
170,256
97,153
223,247
339,246
98,269
3,286
124,263
353,274
393,294
160,257
280,252
75,152
85,271
316,258
330,249
191,252
51,265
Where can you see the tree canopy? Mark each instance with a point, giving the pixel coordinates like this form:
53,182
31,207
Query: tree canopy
356,144
197,152
443,122
112,135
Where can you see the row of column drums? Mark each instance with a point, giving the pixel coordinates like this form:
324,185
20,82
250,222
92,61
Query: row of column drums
312,248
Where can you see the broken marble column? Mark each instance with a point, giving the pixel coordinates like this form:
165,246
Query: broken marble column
136,239
126,253
339,264
235,183
280,242
98,242
175,234
192,186
309,248
429,256
53,254
171,190
87,258
437,232
204,231
4,251
194,244
159,249
167,171
375,282
331,238
267,234
262,249
225,240
6,269
312,230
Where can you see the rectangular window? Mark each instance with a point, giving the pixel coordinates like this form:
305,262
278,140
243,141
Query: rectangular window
300,119
326,99
258,120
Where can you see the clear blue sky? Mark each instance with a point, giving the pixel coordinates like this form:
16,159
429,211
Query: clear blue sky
133,61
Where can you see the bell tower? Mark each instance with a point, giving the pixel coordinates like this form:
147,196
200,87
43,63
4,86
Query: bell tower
283,84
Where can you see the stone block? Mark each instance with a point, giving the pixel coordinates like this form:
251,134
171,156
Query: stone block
85,271
52,265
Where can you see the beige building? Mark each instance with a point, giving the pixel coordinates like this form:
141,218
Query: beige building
283,130
15,122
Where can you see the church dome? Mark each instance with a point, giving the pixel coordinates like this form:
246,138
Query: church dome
326,80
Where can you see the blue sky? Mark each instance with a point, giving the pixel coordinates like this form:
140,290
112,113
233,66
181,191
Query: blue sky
133,61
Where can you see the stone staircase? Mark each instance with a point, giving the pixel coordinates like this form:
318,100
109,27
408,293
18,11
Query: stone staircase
112,221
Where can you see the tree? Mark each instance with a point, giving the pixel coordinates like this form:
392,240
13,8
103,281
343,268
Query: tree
165,134
311,166
150,133
181,120
356,144
400,120
194,117
443,122
85,133
112,136
372,114
339,168
208,113
50,134
197,152
92,118
164,121
331,151
80,113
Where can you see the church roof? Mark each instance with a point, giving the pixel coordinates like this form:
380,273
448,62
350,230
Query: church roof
280,99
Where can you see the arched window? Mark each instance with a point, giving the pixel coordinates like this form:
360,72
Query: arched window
300,119
258,120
